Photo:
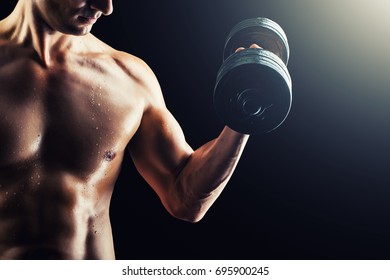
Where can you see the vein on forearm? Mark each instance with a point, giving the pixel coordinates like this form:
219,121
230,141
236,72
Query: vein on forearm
207,170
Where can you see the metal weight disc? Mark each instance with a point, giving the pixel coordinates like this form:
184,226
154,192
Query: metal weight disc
262,31
253,91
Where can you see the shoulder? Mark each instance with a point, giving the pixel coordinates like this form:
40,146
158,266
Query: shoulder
138,71
143,78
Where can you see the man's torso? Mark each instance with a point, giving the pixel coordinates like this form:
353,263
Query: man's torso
63,132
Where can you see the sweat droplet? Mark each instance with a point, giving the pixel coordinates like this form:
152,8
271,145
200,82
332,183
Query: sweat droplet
109,155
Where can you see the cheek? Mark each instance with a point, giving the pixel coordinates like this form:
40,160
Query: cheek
66,8
77,4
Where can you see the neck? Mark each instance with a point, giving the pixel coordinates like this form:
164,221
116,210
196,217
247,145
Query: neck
25,26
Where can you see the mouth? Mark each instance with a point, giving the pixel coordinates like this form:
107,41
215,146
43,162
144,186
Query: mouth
87,20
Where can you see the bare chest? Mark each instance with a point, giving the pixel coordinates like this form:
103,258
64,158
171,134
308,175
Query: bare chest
74,117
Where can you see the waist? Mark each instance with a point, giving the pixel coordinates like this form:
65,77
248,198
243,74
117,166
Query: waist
78,237
33,252
57,217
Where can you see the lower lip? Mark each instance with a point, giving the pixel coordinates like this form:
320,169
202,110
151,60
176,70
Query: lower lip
86,20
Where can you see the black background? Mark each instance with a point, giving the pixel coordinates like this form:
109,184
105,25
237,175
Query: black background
318,186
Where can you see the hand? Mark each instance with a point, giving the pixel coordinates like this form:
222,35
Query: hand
253,46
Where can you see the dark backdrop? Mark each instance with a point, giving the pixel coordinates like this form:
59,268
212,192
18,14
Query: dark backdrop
318,186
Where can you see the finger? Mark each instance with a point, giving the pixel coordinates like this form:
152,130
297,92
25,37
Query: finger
255,46
240,49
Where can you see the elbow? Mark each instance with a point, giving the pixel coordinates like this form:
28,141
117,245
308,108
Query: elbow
188,206
191,218
191,215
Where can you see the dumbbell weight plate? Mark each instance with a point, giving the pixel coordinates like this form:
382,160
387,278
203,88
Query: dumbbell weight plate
261,31
253,91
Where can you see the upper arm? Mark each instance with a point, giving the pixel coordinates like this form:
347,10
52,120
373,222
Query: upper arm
158,148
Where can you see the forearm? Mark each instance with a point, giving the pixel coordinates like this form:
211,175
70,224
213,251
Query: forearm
207,172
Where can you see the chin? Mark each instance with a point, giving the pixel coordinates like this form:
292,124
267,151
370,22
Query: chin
77,31
84,32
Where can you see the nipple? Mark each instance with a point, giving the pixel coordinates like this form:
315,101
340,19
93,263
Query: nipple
109,155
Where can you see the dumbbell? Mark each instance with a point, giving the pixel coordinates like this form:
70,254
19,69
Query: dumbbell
253,91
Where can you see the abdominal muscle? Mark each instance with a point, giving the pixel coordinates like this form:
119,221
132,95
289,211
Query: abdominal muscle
54,215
